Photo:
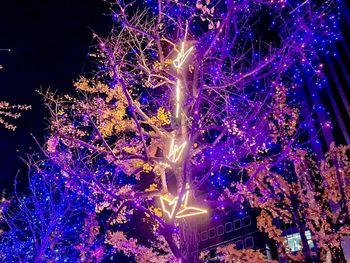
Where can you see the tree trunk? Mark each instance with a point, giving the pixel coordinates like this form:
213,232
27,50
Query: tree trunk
338,254
188,240
304,242
298,219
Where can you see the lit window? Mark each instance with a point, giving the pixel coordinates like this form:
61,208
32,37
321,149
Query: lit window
294,241
237,224
228,227
211,232
246,221
239,244
249,242
204,235
220,230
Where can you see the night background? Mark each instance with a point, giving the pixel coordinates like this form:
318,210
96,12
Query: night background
49,42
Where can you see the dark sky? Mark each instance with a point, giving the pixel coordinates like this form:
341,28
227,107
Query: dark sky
49,40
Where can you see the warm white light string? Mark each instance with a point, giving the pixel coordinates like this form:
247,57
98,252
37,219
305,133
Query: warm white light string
175,151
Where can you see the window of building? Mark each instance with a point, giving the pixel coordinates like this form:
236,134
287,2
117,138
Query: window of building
294,241
239,244
228,227
204,235
249,242
212,232
237,224
246,221
220,230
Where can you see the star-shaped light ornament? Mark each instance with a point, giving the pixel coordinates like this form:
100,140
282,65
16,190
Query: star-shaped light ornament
169,205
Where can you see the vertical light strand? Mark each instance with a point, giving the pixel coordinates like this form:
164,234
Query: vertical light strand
178,88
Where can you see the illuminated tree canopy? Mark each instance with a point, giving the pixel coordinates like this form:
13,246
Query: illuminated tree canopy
191,108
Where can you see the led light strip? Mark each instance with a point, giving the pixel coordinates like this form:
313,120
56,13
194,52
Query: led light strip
178,88
186,211
178,62
175,152
182,56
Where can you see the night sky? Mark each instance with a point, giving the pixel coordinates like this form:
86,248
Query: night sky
49,42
